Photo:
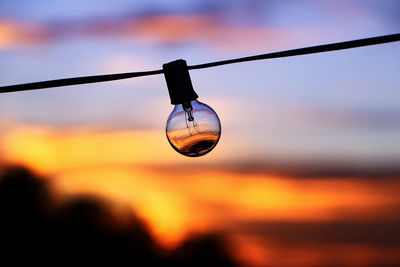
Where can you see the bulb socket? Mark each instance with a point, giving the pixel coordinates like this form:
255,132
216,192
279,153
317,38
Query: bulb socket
179,85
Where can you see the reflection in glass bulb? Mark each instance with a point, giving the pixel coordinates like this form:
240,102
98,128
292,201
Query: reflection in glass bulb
193,128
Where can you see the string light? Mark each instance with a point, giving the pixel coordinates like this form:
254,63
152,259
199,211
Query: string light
193,128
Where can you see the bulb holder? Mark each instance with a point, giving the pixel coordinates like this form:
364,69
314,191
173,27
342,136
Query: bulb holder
179,85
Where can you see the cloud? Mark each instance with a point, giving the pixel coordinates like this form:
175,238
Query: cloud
378,233
311,216
201,28
165,30
16,34
306,243
233,26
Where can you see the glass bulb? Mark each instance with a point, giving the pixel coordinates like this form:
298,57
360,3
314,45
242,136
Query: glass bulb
193,128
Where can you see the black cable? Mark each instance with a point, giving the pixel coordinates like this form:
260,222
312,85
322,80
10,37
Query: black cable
286,53
306,50
76,80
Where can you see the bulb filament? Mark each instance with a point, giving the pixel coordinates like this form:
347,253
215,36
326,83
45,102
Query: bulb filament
190,122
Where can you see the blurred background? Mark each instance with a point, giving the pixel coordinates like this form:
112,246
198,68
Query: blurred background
307,171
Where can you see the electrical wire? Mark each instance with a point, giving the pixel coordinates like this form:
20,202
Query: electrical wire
306,50
286,53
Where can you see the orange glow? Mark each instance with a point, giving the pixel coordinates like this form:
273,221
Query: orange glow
164,29
174,28
208,28
177,200
166,212
252,252
13,33
46,151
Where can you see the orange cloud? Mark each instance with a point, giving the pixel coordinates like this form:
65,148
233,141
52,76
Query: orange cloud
49,151
14,34
204,29
180,200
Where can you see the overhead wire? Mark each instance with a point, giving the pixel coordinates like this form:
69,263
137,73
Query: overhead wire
287,53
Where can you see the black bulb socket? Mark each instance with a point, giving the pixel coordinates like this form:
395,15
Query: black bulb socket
179,85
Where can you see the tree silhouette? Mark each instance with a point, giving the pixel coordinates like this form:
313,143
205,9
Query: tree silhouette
34,228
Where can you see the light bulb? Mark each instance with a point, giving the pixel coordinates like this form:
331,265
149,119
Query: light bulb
193,128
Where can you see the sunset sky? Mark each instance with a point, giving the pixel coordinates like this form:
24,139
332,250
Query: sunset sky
306,171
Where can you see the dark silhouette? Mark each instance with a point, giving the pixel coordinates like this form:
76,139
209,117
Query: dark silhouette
34,228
